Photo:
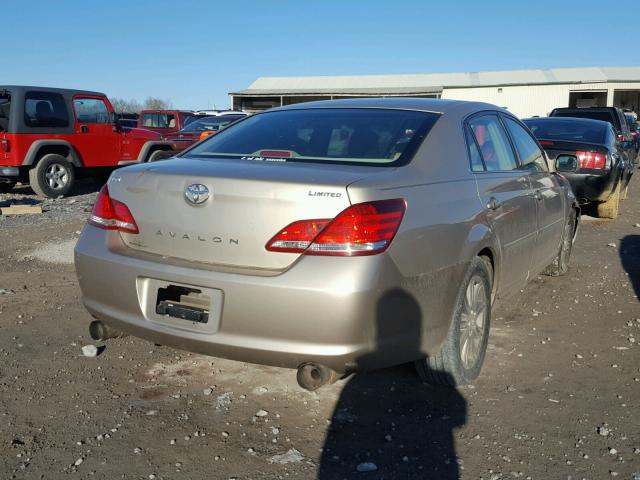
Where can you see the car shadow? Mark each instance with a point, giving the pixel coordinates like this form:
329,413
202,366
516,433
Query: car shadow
630,258
387,421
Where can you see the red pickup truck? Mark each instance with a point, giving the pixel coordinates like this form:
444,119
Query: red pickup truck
50,136
165,121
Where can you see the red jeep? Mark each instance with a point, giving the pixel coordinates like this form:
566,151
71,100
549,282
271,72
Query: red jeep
48,136
165,121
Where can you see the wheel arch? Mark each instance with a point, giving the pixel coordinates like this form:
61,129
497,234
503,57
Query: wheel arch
40,148
483,243
149,147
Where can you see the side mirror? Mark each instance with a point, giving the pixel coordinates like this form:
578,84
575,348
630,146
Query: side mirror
566,163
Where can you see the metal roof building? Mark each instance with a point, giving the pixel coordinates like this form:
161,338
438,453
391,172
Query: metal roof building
524,92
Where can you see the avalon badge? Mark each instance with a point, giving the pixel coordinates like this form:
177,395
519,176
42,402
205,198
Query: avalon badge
196,194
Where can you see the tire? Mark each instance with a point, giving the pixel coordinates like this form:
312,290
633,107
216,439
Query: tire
461,356
611,207
6,187
160,155
560,265
625,191
52,177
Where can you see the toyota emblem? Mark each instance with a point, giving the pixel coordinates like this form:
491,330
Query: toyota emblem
196,194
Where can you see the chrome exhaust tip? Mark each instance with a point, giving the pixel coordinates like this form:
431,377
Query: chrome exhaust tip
312,376
101,331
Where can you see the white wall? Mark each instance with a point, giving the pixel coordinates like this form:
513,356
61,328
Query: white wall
527,101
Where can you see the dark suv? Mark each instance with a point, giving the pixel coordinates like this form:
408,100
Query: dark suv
613,115
49,136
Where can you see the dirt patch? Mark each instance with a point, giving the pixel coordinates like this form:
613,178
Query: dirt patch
55,252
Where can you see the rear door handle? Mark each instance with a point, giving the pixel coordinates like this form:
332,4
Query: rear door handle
493,204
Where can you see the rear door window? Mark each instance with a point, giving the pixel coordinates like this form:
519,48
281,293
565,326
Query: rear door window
45,109
474,153
494,144
531,157
91,110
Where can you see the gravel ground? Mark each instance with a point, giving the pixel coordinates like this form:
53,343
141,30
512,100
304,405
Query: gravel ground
558,396
75,206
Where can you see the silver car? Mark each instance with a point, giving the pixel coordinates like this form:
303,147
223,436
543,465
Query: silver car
331,237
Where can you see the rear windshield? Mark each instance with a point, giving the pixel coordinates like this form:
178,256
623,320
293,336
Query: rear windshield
595,115
572,130
5,106
337,135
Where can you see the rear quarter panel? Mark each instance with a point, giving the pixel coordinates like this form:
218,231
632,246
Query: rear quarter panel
444,225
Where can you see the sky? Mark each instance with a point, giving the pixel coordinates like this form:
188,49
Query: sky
194,53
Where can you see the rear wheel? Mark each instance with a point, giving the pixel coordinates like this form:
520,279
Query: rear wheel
53,176
460,358
6,187
625,191
610,208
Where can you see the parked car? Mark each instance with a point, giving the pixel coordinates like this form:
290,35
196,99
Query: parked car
165,121
589,155
199,129
48,136
613,115
331,236
633,128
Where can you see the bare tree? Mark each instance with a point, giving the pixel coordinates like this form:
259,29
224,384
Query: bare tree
155,103
121,105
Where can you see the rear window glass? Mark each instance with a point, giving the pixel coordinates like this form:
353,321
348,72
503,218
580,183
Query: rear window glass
343,135
5,107
595,115
45,109
575,131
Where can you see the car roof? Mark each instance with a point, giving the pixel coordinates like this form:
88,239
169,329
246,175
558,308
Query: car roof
65,91
398,103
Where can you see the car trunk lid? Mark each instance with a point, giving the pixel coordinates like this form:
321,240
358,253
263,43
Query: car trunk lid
249,202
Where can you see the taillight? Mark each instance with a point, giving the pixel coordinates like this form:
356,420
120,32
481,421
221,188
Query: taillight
110,214
362,229
4,144
592,160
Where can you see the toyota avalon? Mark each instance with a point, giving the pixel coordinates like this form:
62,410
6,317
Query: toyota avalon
331,237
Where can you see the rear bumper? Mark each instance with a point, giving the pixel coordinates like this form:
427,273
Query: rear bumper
323,309
592,188
9,172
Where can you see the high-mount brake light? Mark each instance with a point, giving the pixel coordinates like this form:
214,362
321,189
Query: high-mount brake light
110,214
545,142
592,160
362,229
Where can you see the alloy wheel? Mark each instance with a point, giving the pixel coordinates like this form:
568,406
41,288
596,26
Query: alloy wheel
57,176
473,320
